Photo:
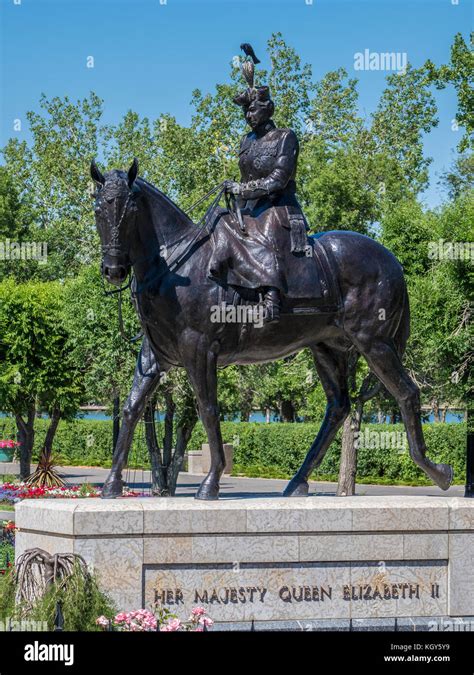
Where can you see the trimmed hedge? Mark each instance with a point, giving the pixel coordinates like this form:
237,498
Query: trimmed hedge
261,449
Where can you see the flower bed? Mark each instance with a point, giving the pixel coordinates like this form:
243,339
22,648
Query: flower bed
162,620
7,450
11,493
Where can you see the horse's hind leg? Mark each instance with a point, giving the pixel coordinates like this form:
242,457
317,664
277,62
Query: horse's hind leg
385,362
145,381
332,367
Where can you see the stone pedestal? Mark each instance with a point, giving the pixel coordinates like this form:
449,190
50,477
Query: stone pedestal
274,560
206,458
194,462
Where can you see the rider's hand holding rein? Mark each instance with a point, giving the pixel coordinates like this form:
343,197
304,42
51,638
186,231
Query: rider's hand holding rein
232,187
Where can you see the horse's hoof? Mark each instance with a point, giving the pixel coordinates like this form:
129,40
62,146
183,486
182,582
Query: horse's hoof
296,488
444,476
208,491
112,489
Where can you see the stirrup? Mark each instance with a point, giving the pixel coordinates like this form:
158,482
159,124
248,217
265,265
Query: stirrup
272,311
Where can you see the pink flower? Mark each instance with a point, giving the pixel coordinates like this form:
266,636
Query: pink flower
206,621
136,621
122,616
174,624
102,621
198,611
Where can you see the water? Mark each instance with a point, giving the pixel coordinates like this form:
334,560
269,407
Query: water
257,416
100,415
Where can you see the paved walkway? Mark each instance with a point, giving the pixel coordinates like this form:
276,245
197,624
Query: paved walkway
232,486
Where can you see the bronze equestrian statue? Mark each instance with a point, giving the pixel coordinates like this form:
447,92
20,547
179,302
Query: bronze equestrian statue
337,293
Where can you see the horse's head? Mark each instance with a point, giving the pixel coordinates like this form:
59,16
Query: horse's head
115,213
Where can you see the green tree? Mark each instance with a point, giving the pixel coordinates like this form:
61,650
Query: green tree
52,179
333,115
406,110
460,177
406,231
105,360
37,373
11,225
290,84
459,72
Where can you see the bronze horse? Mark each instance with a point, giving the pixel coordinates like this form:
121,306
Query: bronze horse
141,228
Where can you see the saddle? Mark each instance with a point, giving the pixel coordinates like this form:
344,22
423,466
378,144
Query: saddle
305,266
311,280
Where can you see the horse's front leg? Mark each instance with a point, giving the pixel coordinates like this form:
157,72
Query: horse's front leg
145,381
200,361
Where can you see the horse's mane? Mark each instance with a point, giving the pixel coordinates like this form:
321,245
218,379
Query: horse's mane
161,195
179,233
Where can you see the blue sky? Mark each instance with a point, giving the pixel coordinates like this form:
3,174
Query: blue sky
149,55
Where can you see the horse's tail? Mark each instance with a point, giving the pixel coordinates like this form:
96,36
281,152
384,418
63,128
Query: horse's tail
403,329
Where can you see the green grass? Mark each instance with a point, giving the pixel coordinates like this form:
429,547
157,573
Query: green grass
6,506
259,471
9,478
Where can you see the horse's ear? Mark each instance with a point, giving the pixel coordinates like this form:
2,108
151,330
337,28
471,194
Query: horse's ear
96,175
132,172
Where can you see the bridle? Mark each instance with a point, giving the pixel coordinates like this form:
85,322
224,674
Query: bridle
172,264
113,248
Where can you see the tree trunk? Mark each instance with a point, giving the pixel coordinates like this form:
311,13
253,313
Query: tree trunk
165,469
183,434
158,473
244,415
185,426
26,438
268,414
168,436
246,406
50,434
348,467
287,411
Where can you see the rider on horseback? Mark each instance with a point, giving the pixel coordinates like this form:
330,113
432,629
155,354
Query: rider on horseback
265,199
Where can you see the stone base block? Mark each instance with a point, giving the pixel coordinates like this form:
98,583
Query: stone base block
359,561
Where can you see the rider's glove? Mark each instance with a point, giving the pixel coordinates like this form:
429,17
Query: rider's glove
231,187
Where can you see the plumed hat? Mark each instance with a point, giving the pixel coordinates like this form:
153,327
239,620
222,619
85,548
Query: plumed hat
245,98
252,93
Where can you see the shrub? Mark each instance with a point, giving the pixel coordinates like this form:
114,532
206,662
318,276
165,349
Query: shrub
81,602
268,449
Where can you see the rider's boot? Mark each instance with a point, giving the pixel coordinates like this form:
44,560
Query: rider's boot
272,304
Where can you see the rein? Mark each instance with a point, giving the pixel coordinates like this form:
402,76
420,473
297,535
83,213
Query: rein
173,264
118,292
